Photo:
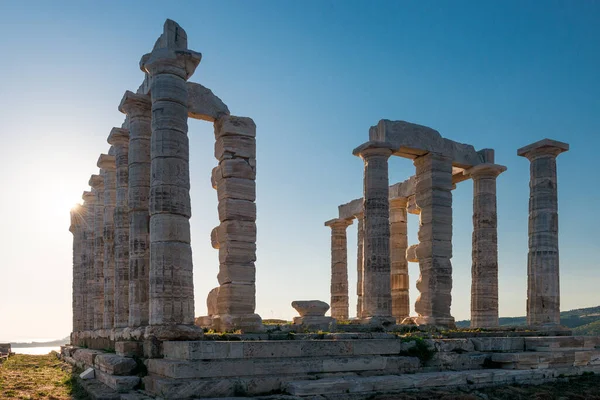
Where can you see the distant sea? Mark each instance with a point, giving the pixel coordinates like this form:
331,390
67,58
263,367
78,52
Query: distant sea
35,350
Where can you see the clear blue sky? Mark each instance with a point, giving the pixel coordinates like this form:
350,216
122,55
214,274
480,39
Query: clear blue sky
314,75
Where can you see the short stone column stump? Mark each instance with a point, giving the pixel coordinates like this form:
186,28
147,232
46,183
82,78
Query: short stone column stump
312,316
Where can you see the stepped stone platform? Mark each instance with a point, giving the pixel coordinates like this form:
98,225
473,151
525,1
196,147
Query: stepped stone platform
340,365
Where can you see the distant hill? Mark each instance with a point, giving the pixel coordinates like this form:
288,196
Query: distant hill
583,321
58,342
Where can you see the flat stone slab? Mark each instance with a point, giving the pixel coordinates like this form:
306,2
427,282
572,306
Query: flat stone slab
114,364
86,356
120,384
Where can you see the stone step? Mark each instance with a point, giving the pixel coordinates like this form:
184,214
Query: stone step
280,366
114,364
547,359
562,343
214,350
119,384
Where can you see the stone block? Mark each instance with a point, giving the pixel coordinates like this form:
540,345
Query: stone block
376,347
121,384
88,374
238,231
232,209
236,188
315,324
114,364
204,321
236,298
230,125
86,356
129,349
169,227
237,168
204,104
237,252
498,344
312,308
235,147
236,273
202,350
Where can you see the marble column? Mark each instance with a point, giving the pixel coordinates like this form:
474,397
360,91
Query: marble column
89,204
171,294
543,283
138,110
484,270
119,139
399,264
360,270
235,181
97,184
106,163
77,228
433,197
339,268
377,299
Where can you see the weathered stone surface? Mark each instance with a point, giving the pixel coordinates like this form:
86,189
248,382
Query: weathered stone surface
230,125
484,271
377,301
227,147
312,308
129,349
87,374
203,104
121,384
212,302
86,356
399,263
543,283
360,263
114,364
97,184
233,209
339,268
411,253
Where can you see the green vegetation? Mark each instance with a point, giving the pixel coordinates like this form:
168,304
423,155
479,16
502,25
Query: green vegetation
583,321
420,350
25,376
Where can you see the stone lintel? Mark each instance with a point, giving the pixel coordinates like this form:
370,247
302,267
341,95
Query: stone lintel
485,169
118,136
373,147
398,202
338,223
403,189
107,162
543,146
204,104
96,181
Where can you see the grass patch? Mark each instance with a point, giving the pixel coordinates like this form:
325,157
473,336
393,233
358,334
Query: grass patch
25,376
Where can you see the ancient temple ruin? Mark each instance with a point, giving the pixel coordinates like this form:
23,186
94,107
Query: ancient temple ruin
133,294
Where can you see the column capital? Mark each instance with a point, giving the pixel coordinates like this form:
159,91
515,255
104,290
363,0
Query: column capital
484,170
106,162
180,62
96,182
88,196
542,148
118,136
373,148
398,202
338,223
135,105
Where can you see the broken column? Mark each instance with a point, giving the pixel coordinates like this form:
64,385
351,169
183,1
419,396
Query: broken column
138,110
339,268
377,300
484,271
433,197
171,293
77,229
89,204
399,265
234,179
360,237
119,139
106,163
97,184
543,283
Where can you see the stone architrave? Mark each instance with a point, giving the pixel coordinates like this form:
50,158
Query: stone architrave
543,281
234,179
171,294
89,204
377,300
77,229
107,165
433,197
484,271
119,139
399,264
360,237
339,268
97,184
138,109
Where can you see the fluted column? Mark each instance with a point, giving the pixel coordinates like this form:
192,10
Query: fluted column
119,138
76,228
171,292
484,271
399,265
339,268
106,163
97,184
360,270
377,300
543,280
89,204
433,197
138,110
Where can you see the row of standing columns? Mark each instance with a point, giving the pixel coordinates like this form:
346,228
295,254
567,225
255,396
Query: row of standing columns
382,263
